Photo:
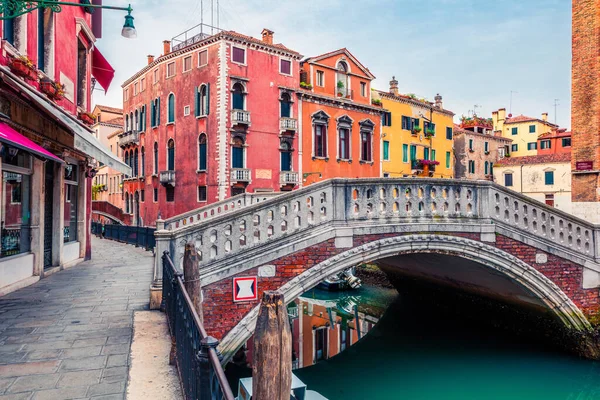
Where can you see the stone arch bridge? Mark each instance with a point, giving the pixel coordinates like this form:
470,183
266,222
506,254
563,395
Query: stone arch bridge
473,234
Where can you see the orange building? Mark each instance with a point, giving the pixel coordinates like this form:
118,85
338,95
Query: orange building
556,142
339,128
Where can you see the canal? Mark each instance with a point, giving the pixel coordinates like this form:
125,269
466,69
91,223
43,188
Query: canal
428,343
421,350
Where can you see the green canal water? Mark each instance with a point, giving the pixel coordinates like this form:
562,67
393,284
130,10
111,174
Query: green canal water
419,353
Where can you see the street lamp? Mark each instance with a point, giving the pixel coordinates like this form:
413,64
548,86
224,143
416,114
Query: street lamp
10,9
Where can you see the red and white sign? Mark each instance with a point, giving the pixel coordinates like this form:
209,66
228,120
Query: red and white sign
245,289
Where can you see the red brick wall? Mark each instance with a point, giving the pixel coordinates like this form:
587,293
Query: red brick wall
585,104
221,314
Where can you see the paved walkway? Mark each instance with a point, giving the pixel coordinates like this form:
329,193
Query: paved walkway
68,336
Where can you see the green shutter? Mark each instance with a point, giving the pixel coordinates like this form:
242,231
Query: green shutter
413,152
386,150
447,159
426,153
196,102
207,98
158,111
404,153
433,154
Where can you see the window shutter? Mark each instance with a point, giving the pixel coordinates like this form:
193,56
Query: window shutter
158,111
152,114
207,98
196,101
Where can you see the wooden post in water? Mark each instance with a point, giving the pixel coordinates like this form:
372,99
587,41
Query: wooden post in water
272,369
191,278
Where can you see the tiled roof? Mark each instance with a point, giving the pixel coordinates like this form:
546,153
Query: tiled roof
258,41
340,51
460,131
538,159
524,118
557,133
110,109
114,121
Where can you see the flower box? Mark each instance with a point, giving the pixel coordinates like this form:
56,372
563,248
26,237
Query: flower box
24,67
429,133
54,90
416,130
87,118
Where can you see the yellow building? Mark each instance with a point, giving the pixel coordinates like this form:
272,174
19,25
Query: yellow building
523,131
416,135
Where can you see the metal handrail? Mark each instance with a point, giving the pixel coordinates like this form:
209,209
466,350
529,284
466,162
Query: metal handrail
213,356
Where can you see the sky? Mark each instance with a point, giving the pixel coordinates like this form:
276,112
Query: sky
472,52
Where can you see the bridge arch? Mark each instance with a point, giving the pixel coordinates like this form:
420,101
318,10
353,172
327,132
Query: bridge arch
483,254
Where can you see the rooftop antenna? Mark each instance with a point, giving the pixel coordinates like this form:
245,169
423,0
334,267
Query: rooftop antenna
556,104
510,107
475,109
212,2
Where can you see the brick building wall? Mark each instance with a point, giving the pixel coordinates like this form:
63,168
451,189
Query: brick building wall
221,314
585,105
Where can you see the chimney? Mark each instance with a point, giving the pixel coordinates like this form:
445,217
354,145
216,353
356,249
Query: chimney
166,47
150,58
438,101
502,114
267,36
394,86
545,117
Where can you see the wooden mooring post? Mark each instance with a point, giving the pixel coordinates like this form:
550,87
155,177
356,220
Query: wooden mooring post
191,278
272,369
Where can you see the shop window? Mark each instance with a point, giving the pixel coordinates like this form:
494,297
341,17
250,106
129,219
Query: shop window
71,203
15,209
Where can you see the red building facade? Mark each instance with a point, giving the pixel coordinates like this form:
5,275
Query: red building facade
556,142
47,152
211,118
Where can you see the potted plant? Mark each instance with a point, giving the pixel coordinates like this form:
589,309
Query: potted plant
429,133
376,102
340,86
306,86
54,90
416,130
87,118
24,67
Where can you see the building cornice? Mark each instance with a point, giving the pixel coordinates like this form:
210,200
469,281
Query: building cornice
338,102
414,102
222,36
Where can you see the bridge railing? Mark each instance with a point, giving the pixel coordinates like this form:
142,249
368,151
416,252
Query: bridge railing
140,236
198,361
216,209
365,202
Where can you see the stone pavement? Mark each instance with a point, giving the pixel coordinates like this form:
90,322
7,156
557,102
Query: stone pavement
68,336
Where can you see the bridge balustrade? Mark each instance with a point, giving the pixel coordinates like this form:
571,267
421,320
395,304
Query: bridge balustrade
198,361
220,233
140,236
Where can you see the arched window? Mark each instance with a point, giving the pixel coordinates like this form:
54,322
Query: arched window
204,100
202,152
237,153
286,157
238,96
135,163
286,105
155,161
342,79
143,169
171,155
127,159
171,108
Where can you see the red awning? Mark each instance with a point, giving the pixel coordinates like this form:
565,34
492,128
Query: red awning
13,138
101,69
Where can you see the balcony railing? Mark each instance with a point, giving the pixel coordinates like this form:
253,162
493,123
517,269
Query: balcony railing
345,93
167,178
240,175
288,178
288,124
129,137
240,117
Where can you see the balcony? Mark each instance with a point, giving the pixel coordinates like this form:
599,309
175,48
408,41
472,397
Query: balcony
345,93
288,178
288,124
167,178
240,117
240,175
129,137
